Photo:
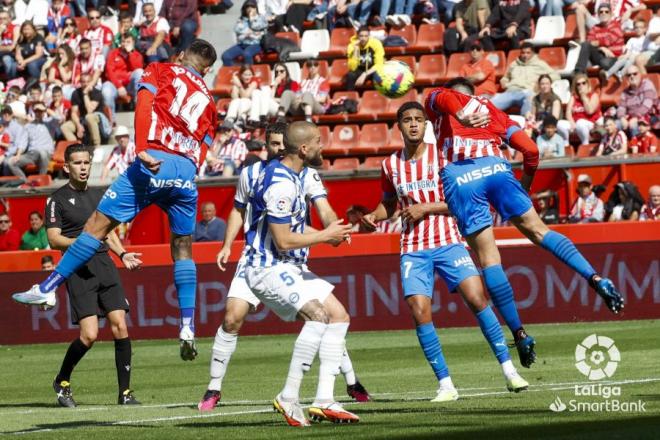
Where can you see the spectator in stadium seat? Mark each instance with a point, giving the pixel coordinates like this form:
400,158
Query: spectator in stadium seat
39,147
9,33
34,96
545,103
651,209
29,55
471,17
61,70
280,98
47,263
614,141
508,21
227,154
249,30
182,17
588,207
650,56
122,156
365,54
35,238
125,26
13,118
624,204
645,142
634,47
583,112
99,34
637,100
210,227
88,62
245,97
123,70
139,16
58,13
10,238
480,72
87,118
58,112
605,41
154,41
70,35
520,80
314,95
619,10
550,143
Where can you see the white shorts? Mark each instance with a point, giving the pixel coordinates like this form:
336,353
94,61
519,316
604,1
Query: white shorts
239,288
286,288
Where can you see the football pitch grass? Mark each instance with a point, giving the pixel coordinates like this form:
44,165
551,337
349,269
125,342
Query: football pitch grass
390,364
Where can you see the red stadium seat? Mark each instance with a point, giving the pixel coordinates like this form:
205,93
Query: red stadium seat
498,58
57,160
456,61
611,92
222,104
395,141
222,85
371,106
262,72
554,56
39,180
409,60
587,150
409,33
325,135
326,164
394,104
512,56
339,40
429,38
373,162
338,71
570,31
372,138
82,23
431,70
293,36
569,151
344,137
346,163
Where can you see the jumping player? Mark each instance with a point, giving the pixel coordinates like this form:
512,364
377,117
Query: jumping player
278,242
95,288
175,119
240,300
430,242
469,132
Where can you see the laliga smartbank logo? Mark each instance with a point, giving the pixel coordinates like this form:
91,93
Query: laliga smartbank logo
597,358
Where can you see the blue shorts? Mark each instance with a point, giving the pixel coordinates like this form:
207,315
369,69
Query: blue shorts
453,263
173,189
472,185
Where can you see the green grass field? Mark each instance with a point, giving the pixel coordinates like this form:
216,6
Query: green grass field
389,364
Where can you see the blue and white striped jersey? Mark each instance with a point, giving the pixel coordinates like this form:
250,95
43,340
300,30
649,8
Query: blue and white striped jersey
279,195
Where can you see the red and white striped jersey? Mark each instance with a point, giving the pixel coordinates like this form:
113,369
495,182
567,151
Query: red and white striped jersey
121,160
418,181
183,114
99,37
87,67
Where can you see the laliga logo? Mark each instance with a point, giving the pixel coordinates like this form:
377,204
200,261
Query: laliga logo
597,357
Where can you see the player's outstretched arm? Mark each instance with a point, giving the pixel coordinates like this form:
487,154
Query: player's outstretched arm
234,224
519,141
286,240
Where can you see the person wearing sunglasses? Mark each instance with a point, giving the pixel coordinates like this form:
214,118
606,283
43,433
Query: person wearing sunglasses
604,42
99,34
621,10
583,112
10,238
479,71
69,35
636,102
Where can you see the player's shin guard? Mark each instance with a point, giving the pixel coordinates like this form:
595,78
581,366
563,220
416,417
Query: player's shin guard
331,350
346,369
492,331
123,363
185,279
224,346
79,253
430,343
501,293
304,350
564,249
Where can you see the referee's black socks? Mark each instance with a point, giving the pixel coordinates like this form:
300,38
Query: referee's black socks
123,363
73,355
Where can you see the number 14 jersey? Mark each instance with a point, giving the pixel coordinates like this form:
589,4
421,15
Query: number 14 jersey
183,116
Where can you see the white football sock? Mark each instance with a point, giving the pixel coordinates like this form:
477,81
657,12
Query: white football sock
346,369
304,351
508,368
330,354
224,346
446,384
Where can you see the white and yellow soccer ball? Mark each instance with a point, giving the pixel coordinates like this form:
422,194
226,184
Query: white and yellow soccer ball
393,79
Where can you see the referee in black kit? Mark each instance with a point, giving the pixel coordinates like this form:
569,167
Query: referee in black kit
95,290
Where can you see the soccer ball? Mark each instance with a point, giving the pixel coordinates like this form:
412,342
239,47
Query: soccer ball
393,79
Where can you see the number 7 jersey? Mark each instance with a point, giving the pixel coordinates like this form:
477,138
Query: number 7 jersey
183,115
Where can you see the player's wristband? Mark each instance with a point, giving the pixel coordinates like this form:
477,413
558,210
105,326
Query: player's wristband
121,256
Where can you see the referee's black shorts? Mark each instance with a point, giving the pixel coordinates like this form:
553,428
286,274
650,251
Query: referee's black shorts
95,289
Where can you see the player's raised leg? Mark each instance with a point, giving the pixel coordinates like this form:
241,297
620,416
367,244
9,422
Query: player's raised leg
561,247
80,252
